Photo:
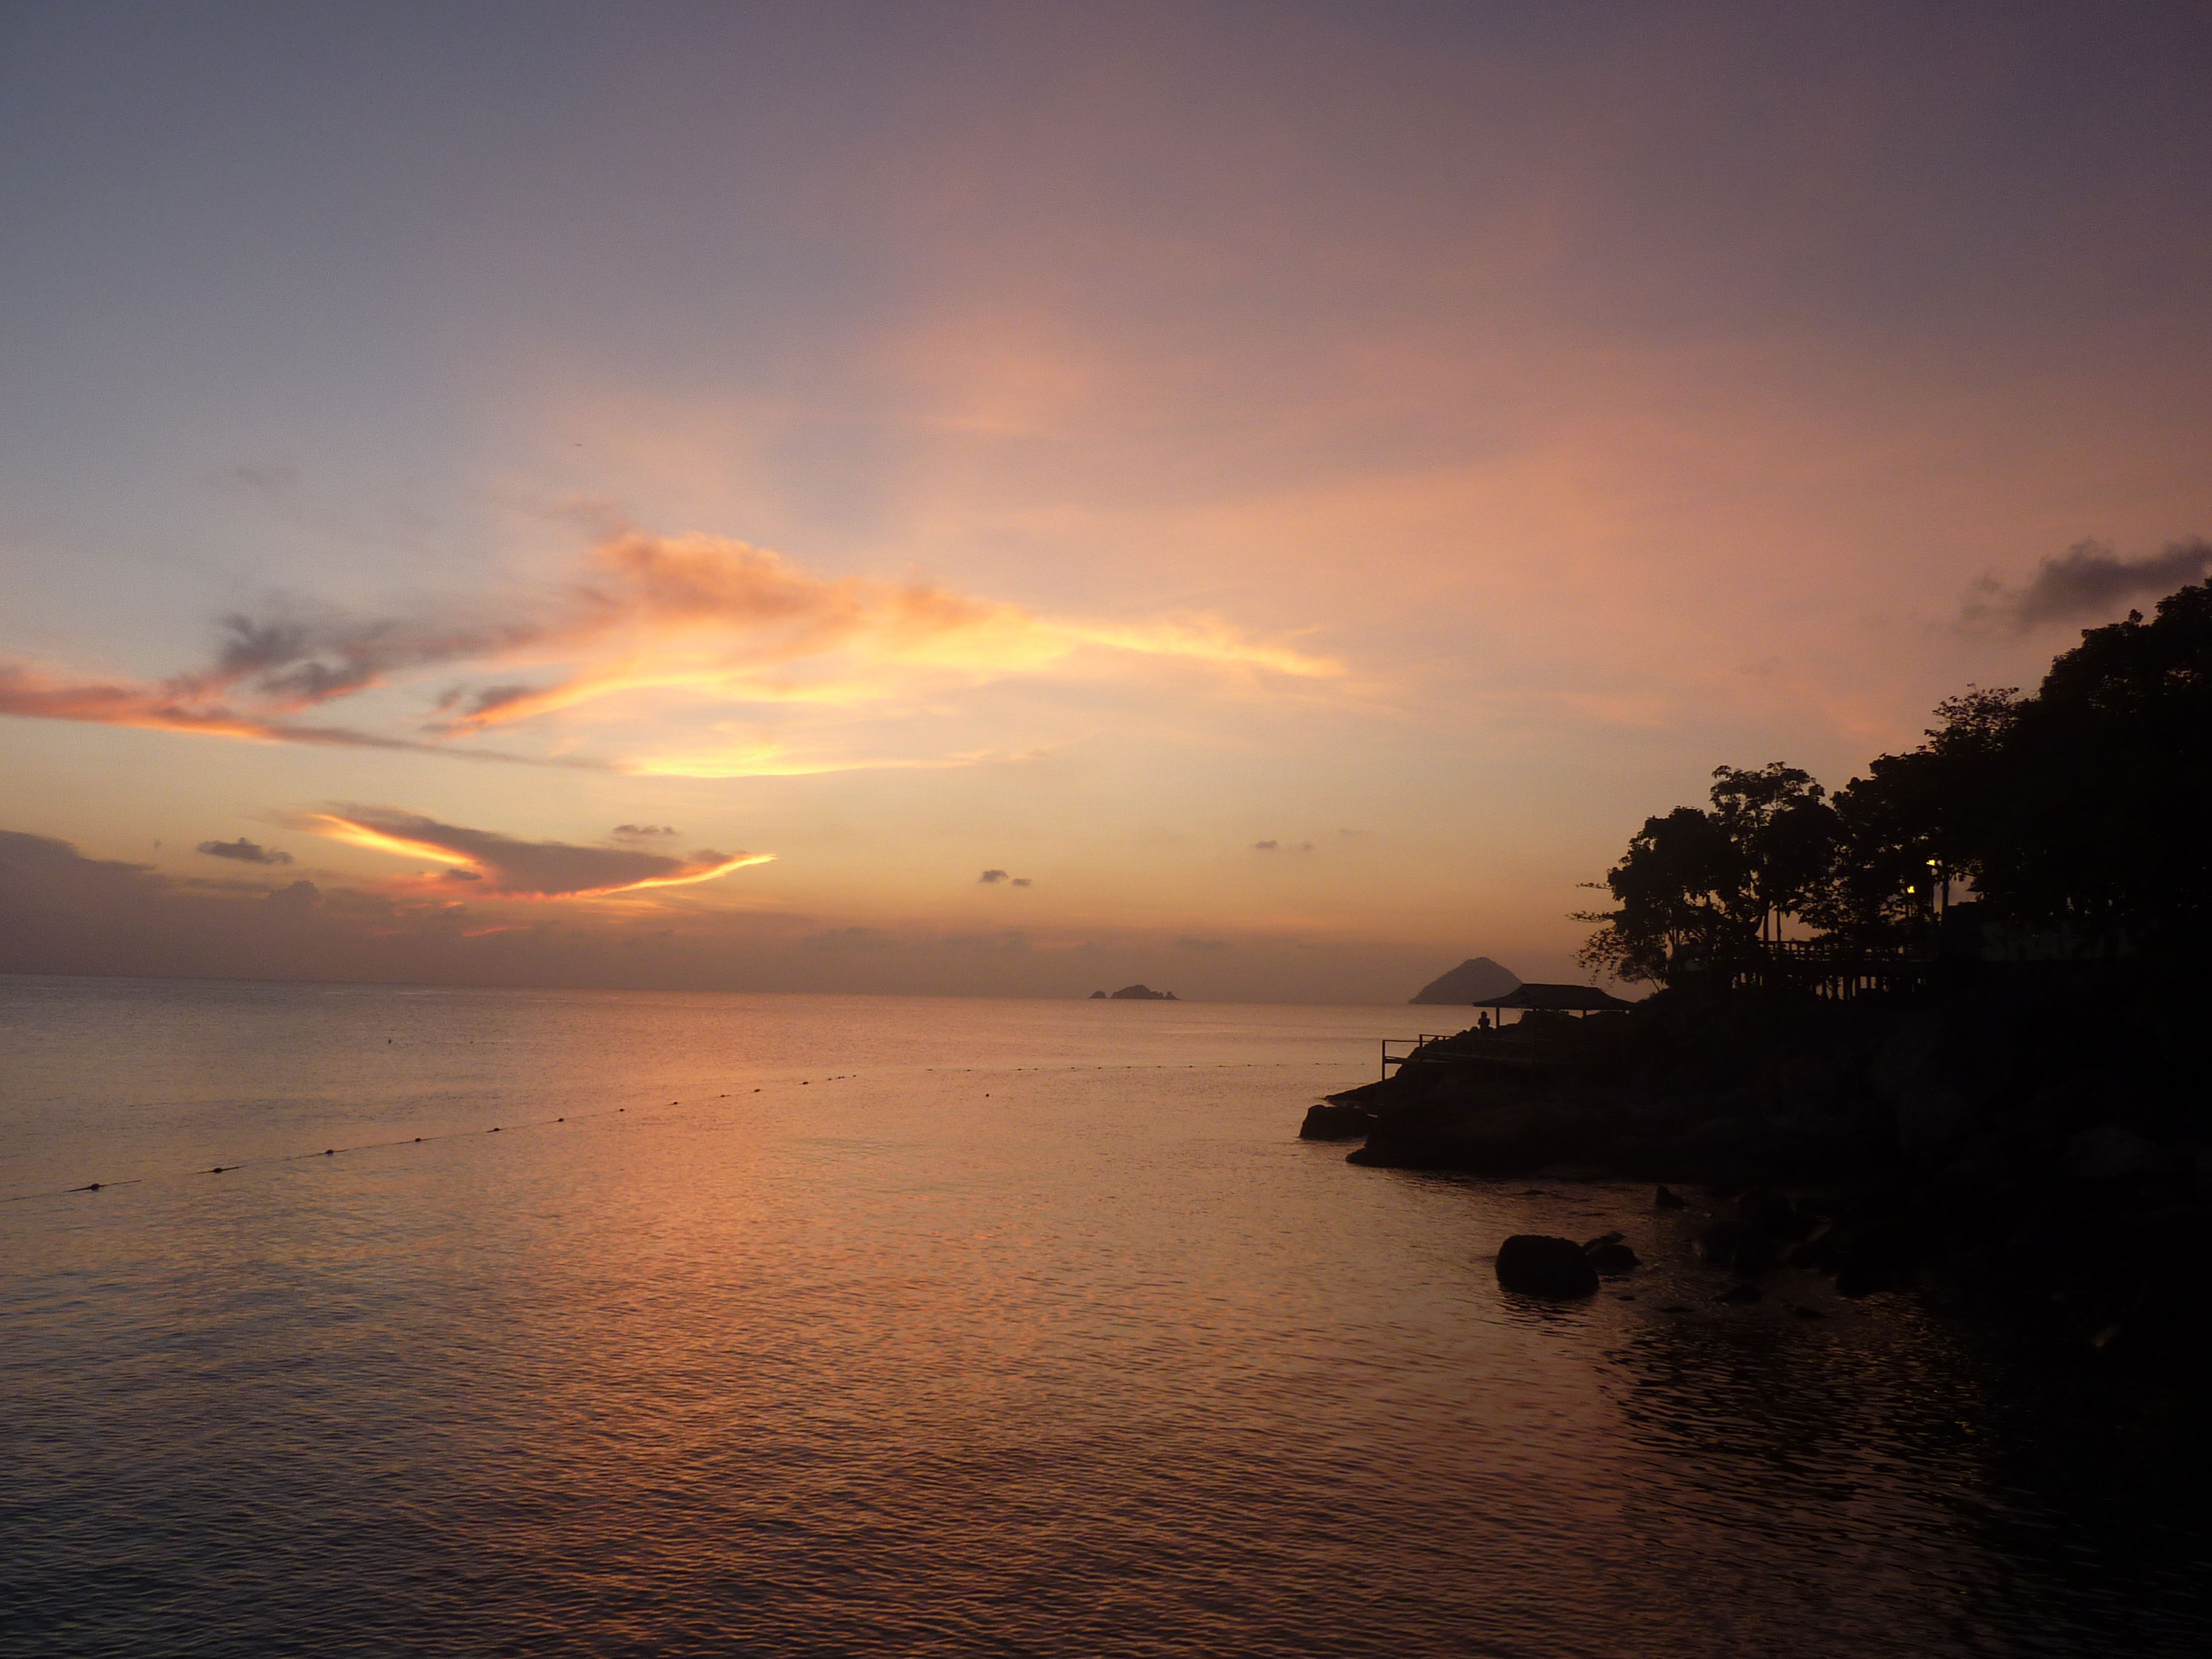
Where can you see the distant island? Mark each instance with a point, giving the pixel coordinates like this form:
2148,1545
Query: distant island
1472,981
1133,993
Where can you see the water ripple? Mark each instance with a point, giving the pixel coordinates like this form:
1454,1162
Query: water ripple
1107,1365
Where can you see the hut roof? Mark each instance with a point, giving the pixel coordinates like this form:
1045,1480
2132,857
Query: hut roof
1576,997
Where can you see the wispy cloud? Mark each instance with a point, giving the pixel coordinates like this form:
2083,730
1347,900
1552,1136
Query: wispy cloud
177,705
524,869
2087,583
711,621
244,851
185,704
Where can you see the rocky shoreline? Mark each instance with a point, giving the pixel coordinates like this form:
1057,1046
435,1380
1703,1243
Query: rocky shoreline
2038,1138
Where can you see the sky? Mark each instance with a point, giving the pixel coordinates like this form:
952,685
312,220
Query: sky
1259,498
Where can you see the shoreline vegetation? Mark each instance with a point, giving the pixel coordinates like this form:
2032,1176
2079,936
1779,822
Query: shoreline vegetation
1943,1030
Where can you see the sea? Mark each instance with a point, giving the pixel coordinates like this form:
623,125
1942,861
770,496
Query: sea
433,1321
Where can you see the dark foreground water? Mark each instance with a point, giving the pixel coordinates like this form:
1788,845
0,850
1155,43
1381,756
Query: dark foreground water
884,1326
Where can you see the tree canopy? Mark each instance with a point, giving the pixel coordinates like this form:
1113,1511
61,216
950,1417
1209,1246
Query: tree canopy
2081,814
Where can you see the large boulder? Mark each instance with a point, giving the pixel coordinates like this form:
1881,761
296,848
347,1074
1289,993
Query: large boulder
1932,1118
1328,1122
1368,1096
2109,1151
1501,1137
1749,1236
1910,1055
2176,1240
1873,1254
1535,1264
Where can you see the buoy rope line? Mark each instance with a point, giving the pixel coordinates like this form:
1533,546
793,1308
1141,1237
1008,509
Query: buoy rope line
616,1111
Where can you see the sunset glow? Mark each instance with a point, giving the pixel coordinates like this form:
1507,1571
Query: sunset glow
360,834
743,860
1188,828
512,869
1436,479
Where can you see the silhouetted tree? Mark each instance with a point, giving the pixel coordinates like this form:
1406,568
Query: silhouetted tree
1783,835
2101,827
2082,812
1916,824
1705,886
1679,894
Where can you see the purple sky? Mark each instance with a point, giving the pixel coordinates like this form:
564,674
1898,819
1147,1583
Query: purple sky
892,443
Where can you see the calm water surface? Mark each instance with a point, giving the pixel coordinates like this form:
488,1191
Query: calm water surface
903,1326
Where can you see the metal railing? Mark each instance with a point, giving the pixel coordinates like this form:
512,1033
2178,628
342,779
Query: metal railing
1504,1045
1825,968
1418,1043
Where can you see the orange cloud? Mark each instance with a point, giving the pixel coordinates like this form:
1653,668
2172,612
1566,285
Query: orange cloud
716,620
739,623
523,869
180,704
170,707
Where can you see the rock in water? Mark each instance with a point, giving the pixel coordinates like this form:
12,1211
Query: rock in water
1610,1257
1535,1264
1476,977
1871,1256
1327,1122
